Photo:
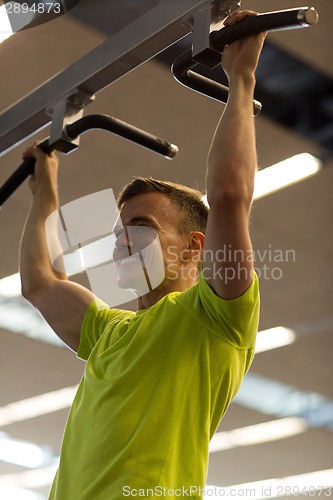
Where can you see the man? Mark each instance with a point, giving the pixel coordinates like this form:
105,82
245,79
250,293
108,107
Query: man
158,381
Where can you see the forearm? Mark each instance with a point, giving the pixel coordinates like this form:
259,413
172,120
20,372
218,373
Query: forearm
232,160
35,264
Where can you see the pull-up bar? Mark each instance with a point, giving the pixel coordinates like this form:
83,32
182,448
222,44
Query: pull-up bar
211,55
74,130
123,51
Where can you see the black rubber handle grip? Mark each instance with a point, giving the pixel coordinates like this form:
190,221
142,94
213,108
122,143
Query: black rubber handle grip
123,129
270,21
21,173
182,72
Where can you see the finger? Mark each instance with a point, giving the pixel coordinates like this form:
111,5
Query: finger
237,16
30,149
33,151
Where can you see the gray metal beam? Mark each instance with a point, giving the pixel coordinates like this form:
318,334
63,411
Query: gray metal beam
122,52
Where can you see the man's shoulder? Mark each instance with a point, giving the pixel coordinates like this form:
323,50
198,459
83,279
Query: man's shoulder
102,313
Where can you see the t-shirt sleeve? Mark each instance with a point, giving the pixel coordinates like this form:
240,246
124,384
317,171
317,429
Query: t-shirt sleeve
95,322
236,319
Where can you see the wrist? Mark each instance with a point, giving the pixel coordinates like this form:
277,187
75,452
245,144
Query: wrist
243,79
45,199
241,89
44,185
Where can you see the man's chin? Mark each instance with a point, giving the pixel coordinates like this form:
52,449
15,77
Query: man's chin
136,284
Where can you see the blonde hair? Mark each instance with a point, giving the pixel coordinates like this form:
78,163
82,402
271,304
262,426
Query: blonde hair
193,213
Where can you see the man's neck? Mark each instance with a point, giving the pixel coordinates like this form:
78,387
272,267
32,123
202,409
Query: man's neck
151,298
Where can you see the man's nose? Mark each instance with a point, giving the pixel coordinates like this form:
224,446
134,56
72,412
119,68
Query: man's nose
124,241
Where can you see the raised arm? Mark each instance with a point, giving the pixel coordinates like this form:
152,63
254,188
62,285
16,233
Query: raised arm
232,164
62,303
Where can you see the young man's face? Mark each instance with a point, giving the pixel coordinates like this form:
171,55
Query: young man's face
149,245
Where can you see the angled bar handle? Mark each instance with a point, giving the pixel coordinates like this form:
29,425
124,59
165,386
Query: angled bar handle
182,72
123,129
251,25
77,128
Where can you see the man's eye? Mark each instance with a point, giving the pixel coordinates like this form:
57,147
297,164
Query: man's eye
137,229
143,229
131,230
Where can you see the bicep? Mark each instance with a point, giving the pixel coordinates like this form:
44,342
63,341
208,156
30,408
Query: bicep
63,305
228,256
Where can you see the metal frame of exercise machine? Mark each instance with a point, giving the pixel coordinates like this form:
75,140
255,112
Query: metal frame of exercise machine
61,101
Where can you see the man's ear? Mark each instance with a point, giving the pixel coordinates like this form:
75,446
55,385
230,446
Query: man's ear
197,240
194,246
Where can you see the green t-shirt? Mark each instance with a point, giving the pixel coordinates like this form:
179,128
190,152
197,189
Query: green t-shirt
156,384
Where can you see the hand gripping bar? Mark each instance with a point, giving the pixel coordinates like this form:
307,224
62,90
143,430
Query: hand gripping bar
269,21
77,128
251,25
